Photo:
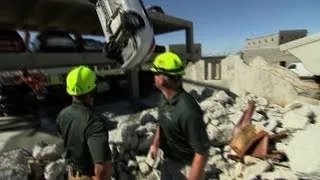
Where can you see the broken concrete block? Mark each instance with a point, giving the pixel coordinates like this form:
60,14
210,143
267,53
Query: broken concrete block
239,167
301,152
132,165
55,170
222,97
257,117
279,174
262,101
146,117
292,120
213,151
293,106
257,169
141,130
249,160
219,135
235,117
144,168
207,105
219,111
216,160
52,152
279,129
215,122
125,135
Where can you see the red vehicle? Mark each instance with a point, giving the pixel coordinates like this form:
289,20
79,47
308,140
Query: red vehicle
11,42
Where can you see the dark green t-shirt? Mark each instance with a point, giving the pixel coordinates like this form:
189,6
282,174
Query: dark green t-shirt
85,136
182,129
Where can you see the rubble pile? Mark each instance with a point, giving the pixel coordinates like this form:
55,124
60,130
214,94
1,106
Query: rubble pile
278,153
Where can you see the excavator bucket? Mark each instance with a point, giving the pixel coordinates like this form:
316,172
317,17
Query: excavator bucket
127,29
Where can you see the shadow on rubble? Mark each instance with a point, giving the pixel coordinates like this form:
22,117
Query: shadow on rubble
208,90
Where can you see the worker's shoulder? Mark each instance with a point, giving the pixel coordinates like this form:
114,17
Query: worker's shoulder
189,103
65,110
74,110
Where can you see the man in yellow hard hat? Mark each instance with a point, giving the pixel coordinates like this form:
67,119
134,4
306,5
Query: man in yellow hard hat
181,133
84,133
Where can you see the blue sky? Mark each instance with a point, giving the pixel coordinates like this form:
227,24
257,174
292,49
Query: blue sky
223,25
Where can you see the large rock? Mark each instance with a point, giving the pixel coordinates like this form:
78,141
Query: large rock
303,151
147,117
222,97
219,136
125,135
56,170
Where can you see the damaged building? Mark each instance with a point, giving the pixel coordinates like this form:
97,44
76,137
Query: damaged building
268,47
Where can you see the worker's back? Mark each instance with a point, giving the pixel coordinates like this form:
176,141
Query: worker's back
74,123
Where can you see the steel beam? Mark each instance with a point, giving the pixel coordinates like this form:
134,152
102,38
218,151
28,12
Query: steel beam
14,61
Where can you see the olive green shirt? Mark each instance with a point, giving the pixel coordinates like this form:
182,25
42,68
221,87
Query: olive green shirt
182,129
85,137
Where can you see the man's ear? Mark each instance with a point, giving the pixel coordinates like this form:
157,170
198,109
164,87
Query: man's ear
162,79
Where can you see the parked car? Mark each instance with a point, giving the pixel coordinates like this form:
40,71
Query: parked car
91,45
54,41
299,69
11,41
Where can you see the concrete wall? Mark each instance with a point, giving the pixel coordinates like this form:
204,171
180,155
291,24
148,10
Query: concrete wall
271,55
274,40
277,84
264,41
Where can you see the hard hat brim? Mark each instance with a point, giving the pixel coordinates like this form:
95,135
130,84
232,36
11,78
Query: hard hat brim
72,93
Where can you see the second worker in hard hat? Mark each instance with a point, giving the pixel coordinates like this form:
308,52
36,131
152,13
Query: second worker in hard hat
181,133
84,133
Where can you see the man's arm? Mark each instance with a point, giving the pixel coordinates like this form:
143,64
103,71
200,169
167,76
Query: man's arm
155,144
198,165
97,140
199,141
102,171
156,139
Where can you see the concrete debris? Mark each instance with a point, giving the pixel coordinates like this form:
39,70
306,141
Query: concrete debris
13,165
272,157
56,170
222,97
144,168
302,150
293,120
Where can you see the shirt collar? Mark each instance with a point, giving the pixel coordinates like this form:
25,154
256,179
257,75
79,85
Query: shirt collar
80,104
175,99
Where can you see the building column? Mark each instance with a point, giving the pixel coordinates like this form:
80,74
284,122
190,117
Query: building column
134,83
190,42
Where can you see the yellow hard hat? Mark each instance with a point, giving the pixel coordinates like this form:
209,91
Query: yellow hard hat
80,80
168,63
